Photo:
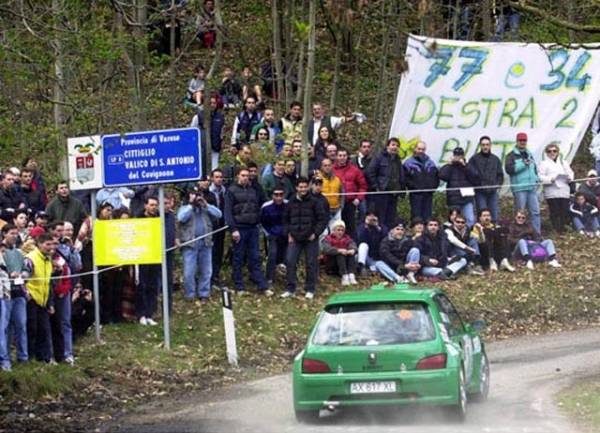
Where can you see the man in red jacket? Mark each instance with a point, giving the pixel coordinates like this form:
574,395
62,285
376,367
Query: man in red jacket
355,186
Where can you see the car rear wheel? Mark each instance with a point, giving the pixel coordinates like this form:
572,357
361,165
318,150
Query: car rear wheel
458,411
307,416
484,379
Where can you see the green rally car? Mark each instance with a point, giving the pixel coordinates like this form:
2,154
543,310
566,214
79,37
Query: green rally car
387,346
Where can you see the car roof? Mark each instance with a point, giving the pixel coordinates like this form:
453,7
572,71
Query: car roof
383,293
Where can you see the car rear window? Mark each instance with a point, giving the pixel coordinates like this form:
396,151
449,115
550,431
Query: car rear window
374,324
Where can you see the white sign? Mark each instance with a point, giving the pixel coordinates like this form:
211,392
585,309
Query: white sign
454,92
85,162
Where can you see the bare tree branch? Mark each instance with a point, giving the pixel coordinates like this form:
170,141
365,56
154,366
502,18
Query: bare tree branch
524,6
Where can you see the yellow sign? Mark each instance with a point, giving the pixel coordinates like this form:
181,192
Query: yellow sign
134,241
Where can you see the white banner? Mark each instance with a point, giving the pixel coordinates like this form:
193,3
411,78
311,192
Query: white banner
85,162
455,91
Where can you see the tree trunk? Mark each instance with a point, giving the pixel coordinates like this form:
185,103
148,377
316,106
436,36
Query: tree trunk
58,91
381,87
277,54
310,70
289,52
137,64
300,77
207,157
336,77
173,93
486,19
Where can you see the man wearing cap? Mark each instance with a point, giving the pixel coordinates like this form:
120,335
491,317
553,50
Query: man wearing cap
591,188
520,166
460,179
399,257
271,219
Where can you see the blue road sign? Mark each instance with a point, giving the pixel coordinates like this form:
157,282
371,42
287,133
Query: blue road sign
150,157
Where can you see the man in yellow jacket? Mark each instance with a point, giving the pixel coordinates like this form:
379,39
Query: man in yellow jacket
332,188
40,304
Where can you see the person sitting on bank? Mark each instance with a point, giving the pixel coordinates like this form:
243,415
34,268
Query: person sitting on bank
525,241
340,252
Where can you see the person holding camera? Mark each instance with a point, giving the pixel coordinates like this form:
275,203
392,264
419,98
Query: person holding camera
196,219
520,166
460,178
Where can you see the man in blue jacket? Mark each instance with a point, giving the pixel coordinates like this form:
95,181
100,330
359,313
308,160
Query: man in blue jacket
520,165
271,219
421,173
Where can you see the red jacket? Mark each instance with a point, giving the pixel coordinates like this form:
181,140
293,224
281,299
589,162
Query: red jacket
353,180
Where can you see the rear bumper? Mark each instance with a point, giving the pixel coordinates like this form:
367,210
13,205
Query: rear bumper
426,387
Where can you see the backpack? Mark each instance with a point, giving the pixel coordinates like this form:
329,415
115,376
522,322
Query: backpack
536,251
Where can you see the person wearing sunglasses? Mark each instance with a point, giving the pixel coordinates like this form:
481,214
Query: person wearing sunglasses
528,244
556,174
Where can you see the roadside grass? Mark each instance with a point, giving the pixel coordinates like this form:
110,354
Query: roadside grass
130,365
582,403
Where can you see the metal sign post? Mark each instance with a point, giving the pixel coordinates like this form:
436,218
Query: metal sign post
163,266
229,323
96,285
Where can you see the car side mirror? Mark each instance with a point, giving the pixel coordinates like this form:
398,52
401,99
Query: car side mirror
478,325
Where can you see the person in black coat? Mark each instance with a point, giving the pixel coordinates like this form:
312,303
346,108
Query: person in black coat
304,219
217,121
386,173
491,175
460,179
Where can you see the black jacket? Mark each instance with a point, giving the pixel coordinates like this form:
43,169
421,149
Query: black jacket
394,251
379,170
457,175
304,217
242,207
433,248
489,170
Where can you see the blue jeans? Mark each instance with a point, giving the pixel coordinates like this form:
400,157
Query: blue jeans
413,256
277,253
489,200
580,225
4,343
547,244
468,212
311,261
421,205
432,271
247,246
197,258
529,200
18,326
62,308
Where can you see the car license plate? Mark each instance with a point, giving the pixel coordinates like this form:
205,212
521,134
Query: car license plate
372,387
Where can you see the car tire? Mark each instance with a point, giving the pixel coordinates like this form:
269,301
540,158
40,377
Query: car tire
458,411
307,416
484,379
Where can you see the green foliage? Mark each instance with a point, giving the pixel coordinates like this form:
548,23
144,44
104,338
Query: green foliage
582,402
34,380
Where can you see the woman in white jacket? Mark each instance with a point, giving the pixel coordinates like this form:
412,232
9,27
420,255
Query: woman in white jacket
555,174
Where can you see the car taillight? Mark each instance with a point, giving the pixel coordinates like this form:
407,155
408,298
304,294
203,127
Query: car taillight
314,366
432,362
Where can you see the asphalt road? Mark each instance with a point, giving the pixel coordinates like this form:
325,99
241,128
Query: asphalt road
526,374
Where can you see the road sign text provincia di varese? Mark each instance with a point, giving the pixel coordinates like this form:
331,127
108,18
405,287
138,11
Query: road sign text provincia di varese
151,157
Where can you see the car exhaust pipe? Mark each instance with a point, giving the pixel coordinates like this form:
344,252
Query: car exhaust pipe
331,406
